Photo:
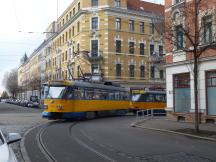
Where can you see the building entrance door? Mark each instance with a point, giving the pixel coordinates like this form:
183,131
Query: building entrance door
182,93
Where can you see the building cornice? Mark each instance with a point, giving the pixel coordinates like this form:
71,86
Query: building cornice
204,59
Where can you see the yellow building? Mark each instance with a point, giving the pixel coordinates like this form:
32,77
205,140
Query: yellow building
29,74
106,40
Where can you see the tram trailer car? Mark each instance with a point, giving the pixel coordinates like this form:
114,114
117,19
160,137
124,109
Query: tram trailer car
77,99
145,100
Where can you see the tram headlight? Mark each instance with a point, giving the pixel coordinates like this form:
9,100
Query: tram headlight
45,106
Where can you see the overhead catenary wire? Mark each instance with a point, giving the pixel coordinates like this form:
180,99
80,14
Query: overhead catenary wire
15,13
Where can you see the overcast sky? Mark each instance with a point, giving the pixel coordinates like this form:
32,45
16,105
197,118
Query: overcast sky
25,16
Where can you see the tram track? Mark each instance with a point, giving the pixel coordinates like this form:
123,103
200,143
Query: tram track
88,147
41,145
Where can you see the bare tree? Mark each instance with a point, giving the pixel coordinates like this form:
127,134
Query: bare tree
35,83
4,95
10,82
189,29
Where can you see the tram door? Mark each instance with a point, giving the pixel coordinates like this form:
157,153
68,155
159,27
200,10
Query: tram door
182,93
211,92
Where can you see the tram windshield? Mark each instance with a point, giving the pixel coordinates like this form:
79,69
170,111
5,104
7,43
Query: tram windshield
55,92
136,97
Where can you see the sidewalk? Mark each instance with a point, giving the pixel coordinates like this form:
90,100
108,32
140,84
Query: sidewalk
165,125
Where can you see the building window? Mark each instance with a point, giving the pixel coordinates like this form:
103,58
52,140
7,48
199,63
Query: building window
118,46
131,71
179,37
161,74
142,48
78,27
94,48
182,92
66,36
66,56
73,52
94,3
94,23
78,6
78,47
151,49
66,74
62,57
160,50
78,71
211,78
95,68
118,70
141,27
117,3
152,28
152,72
131,25
207,29
131,47
73,31
118,24
66,18
177,1
74,11
63,39
70,14
142,71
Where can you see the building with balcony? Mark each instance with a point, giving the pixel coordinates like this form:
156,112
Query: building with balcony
105,40
181,42
110,39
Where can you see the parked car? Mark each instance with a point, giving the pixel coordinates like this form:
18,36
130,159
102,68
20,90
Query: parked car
24,103
33,101
6,152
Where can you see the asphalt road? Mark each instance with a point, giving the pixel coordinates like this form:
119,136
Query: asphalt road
112,139
18,119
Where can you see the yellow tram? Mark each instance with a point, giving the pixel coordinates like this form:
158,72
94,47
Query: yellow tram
77,99
141,99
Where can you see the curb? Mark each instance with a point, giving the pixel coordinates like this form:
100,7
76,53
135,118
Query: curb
136,124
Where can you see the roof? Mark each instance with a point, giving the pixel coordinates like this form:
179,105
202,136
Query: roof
84,84
145,6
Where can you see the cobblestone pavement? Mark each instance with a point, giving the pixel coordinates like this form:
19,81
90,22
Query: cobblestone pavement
18,119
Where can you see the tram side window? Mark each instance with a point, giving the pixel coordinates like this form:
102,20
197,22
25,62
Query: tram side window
123,96
101,94
69,93
104,95
149,97
89,94
160,98
117,95
111,95
126,96
78,93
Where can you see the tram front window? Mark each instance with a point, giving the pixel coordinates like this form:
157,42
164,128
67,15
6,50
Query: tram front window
56,92
136,97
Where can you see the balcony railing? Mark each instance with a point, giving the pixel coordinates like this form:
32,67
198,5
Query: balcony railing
155,58
93,57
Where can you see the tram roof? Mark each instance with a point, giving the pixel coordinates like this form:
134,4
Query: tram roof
85,84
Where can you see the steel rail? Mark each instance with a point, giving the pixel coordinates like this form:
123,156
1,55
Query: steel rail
83,144
41,145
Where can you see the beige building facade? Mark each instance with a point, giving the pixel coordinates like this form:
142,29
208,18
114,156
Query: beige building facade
105,40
